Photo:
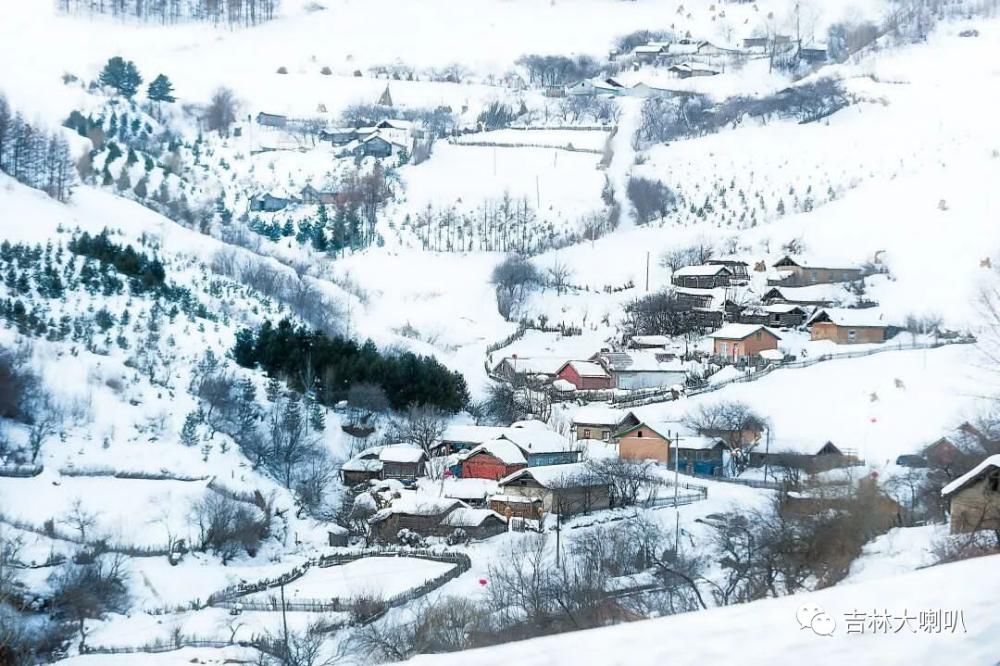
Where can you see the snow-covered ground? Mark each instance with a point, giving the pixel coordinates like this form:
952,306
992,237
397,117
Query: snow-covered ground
767,632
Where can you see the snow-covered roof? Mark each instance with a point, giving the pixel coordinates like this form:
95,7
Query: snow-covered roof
468,489
471,434
740,331
665,429
535,365
503,450
538,441
813,293
694,67
850,316
464,517
648,48
529,424
587,368
417,504
782,308
641,361
993,462
557,476
705,270
651,340
697,442
803,446
402,453
597,415
362,465
771,354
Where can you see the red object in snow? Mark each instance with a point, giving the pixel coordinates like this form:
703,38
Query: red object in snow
874,420
482,581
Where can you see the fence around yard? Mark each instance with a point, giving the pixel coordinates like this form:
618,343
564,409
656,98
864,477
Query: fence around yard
20,471
231,597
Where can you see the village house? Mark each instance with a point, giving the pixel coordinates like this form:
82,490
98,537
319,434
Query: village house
687,70
493,460
695,454
562,489
268,203
364,467
814,54
649,53
738,269
271,120
542,446
517,506
585,375
476,523
736,342
421,514
702,277
974,498
517,368
790,272
646,440
403,462
473,492
591,87
811,457
339,136
844,326
593,422
662,344
634,370
311,196
464,437
775,315
817,296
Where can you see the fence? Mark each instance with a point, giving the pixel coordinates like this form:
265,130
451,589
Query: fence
230,597
20,471
499,144
49,530
125,474
159,647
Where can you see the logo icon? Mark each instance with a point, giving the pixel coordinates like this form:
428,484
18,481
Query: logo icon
811,616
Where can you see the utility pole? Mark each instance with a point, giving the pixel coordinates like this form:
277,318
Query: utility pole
767,453
558,530
647,272
677,509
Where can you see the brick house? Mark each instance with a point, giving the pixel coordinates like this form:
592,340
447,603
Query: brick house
974,498
741,341
646,440
846,326
585,375
493,460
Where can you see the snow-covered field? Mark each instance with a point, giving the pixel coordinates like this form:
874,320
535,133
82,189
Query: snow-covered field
379,577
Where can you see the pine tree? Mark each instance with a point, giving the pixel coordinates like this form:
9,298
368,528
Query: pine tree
121,75
161,90
317,414
273,390
189,433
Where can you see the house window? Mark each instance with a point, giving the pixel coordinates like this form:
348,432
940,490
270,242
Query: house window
586,433
606,435
852,335
640,434
812,276
724,348
758,335
993,483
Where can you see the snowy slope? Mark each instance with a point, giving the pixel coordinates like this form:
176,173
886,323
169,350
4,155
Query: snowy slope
715,636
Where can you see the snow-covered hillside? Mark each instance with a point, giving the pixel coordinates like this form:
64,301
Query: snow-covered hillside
285,359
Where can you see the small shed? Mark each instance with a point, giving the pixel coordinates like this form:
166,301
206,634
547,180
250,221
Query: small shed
974,498
476,523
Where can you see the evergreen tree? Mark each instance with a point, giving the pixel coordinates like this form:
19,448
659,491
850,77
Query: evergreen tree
161,90
121,75
189,433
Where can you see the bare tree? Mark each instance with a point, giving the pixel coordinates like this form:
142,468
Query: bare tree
559,275
80,519
221,112
87,591
514,278
735,422
421,425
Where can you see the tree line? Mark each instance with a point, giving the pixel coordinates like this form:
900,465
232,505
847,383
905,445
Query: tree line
312,361
231,13
33,156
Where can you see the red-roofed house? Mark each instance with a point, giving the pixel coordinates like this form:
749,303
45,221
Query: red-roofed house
585,375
